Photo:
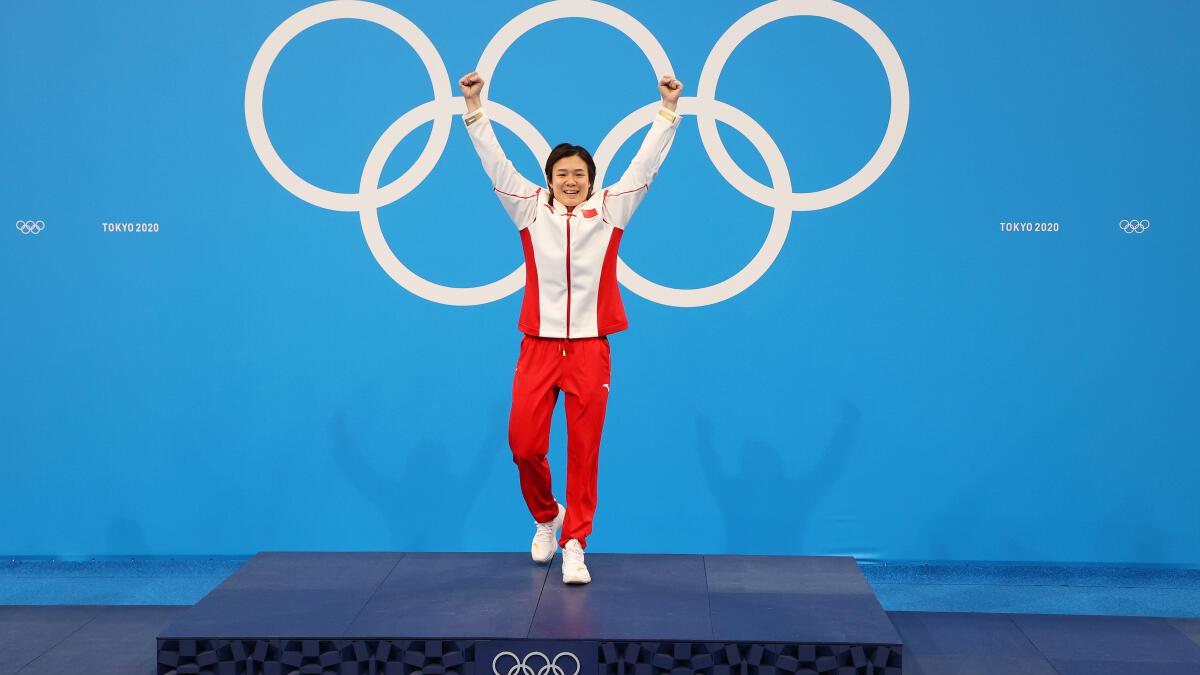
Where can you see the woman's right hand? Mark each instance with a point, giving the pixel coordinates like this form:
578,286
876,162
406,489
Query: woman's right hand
471,84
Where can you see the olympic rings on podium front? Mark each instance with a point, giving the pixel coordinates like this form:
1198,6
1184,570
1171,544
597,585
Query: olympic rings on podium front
523,667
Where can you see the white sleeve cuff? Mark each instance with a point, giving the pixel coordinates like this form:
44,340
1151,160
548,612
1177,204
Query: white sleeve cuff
473,117
667,115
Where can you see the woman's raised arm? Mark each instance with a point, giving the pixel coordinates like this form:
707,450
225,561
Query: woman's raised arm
517,195
623,197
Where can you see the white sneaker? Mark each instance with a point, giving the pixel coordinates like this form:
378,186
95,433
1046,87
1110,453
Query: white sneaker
545,538
574,571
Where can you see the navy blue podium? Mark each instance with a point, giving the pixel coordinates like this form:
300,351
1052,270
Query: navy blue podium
500,614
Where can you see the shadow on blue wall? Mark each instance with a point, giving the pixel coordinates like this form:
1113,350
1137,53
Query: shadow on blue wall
425,506
765,508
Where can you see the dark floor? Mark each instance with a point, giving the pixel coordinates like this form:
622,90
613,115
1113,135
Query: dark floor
913,586
46,639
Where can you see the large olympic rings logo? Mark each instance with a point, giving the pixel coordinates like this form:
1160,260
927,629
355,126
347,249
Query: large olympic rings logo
522,667
704,106
30,226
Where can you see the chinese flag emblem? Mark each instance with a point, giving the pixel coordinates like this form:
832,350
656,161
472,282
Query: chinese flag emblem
589,213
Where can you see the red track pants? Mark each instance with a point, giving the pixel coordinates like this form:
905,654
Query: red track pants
580,369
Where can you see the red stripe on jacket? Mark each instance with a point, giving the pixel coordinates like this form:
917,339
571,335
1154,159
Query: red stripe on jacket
610,312
531,310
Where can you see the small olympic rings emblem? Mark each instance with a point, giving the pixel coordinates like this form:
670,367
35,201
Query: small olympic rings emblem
704,106
30,226
1135,226
525,666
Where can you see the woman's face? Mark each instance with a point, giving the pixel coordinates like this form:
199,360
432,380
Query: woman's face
569,180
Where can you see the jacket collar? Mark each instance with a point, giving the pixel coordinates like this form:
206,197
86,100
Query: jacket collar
560,210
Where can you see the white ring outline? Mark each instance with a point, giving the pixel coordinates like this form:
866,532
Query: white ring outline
520,663
897,119
256,83
780,221
369,215
554,10
555,668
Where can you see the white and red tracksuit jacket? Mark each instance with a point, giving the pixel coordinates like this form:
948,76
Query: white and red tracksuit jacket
571,255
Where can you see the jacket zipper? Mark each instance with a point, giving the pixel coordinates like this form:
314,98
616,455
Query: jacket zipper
568,281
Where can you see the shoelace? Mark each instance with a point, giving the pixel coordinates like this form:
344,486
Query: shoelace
572,556
546,529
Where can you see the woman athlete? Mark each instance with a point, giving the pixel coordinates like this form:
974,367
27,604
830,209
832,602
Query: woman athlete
570,234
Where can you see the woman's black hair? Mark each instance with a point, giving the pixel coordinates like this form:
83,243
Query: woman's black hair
567,150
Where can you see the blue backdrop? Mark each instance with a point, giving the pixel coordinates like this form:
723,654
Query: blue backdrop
909,380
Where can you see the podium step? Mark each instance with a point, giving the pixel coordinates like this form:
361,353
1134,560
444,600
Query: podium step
501,614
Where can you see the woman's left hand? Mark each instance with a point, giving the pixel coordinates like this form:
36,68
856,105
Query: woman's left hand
670,89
